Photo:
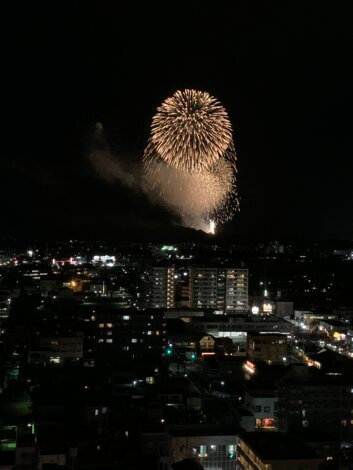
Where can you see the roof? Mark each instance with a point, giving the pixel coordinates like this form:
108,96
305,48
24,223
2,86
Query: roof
334,322
200,430
261,392
299,374
278,446
265,334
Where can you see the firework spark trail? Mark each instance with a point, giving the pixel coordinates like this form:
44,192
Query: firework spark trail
201,192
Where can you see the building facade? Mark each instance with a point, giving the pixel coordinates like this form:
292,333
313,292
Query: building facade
275,451
212,451
270,348
160,287
222,289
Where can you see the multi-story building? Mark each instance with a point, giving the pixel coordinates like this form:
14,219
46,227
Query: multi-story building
309,398
125,335
57,350
223,289
271,348
263,406
237,326
160,287
211,446
275,451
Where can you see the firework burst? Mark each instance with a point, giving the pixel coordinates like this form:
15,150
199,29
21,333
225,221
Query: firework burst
190,161
191,130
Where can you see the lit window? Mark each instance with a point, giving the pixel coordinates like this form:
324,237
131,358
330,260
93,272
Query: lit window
203,451
96,412
101,325
134,340
126,317
231,451
109,325
55,360
101,341
109,340
149,332
109,333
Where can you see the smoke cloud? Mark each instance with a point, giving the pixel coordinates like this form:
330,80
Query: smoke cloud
182,193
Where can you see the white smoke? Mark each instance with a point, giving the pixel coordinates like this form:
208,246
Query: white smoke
186,195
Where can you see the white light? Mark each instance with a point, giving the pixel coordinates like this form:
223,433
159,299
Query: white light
255,310
267,308
212,227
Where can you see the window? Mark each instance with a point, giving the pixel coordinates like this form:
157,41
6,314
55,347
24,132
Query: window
126,317
134,340
267,408
109,340
96,412
231,451
101,325
258,409
109,325
101,341
109,333
203,451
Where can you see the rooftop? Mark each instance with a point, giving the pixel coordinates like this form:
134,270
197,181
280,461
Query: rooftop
200,430
278,446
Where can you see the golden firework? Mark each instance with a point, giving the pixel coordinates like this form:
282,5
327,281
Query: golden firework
191,130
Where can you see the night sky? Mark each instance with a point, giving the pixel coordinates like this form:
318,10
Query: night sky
282,70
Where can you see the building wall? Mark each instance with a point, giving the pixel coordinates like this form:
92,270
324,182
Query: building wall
327,407
211,451
127,334
264,409
267,347
160,287
219,288
249,460
207,343
203,287
237,331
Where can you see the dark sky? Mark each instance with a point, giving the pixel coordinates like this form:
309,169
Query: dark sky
283,70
